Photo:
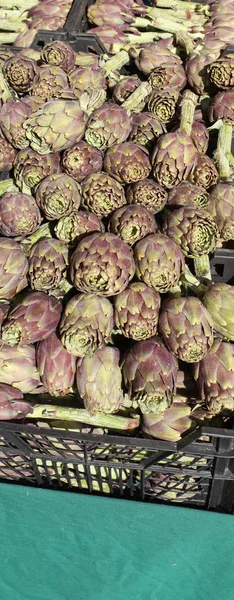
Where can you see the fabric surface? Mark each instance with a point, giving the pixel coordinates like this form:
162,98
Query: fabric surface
63,546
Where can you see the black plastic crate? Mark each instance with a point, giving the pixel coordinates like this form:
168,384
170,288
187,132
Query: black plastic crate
222,265
81,42
197,472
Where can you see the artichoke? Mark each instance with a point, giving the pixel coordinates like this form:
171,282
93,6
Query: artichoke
221,73
163,104
193,229
102,194
214,376
132,223
186,328
56,126
30,167
146,129
11,403
147,193
12,116
70,229
221,208
187,194
170,425
33,319
87,324
196,71
98,379
59,54
56,366
204,172
81,160
13,268
127,162
7,155
150,375
19,214
52,83
109,124
21,73
102,264
18,368
154,55
200,136
58,195
124,88
173,158
82,78
219,301
169,74
48,261
137,311
159,262
222,107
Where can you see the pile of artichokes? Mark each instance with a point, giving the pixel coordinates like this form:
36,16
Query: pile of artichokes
113,200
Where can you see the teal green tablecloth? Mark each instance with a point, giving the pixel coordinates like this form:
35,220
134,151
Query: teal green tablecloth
61,546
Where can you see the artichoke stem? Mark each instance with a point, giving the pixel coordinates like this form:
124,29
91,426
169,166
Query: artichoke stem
15,26
178,15
179,4
7,186
137,96
26,4
223,148
8,38
185,40
62,413
169,26
188,106
115,62
175,292
202,267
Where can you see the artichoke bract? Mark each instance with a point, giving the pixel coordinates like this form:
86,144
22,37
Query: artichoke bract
170,425
137,311
81,160
102,264
52,83
173,158
187,194
221,208
56,366
102,194
150,375
219,301
70,229
19,214
87,324
48,261
147,193
127,162
98,379
109,124
11,403
163,104
56,126
159,262
12,116
7,155
222,107
193,229
132,223
200,136
58,195
60,54
18,368
146,129
21,72
82,78
13,268
186,328
204,172
30,167
214,376
33,319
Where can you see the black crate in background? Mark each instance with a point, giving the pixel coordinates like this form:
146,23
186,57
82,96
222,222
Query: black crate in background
81,42
222,265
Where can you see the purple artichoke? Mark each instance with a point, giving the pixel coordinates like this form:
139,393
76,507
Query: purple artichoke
137,311
170,425
132,223
219,301
204,172
58,195
192,229
147,193
110,124
7,155
127,162
48,261
56,366
102,194
221,208
12,116
18,368
173,158
59,54
154,55
221,73
200,136
30,167
32,320
187,194
13,268
82,78
168,74
70,229
215,377
146,129
99,379
163,104
11,403
124,88
52,83
19,214
21,73
159,262
81,160
222,107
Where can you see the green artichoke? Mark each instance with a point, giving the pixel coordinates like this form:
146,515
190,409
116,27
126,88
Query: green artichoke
187,194
146,129
219,301
221,208
186,328
193,229
59,54
173,158
81,160
82,78
30,167
159,262
98,379
48,261
87,324
147,193
13,268
102,264
163,104
52,83
21,73
124,88
102,194
137,311
221,73
170,425
56,366
33,319
132,223
19,214
109,124
58,195
56,126
150,375
168,74
70,229
7,155
127,162
222,107
18,368
214,376
204,172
